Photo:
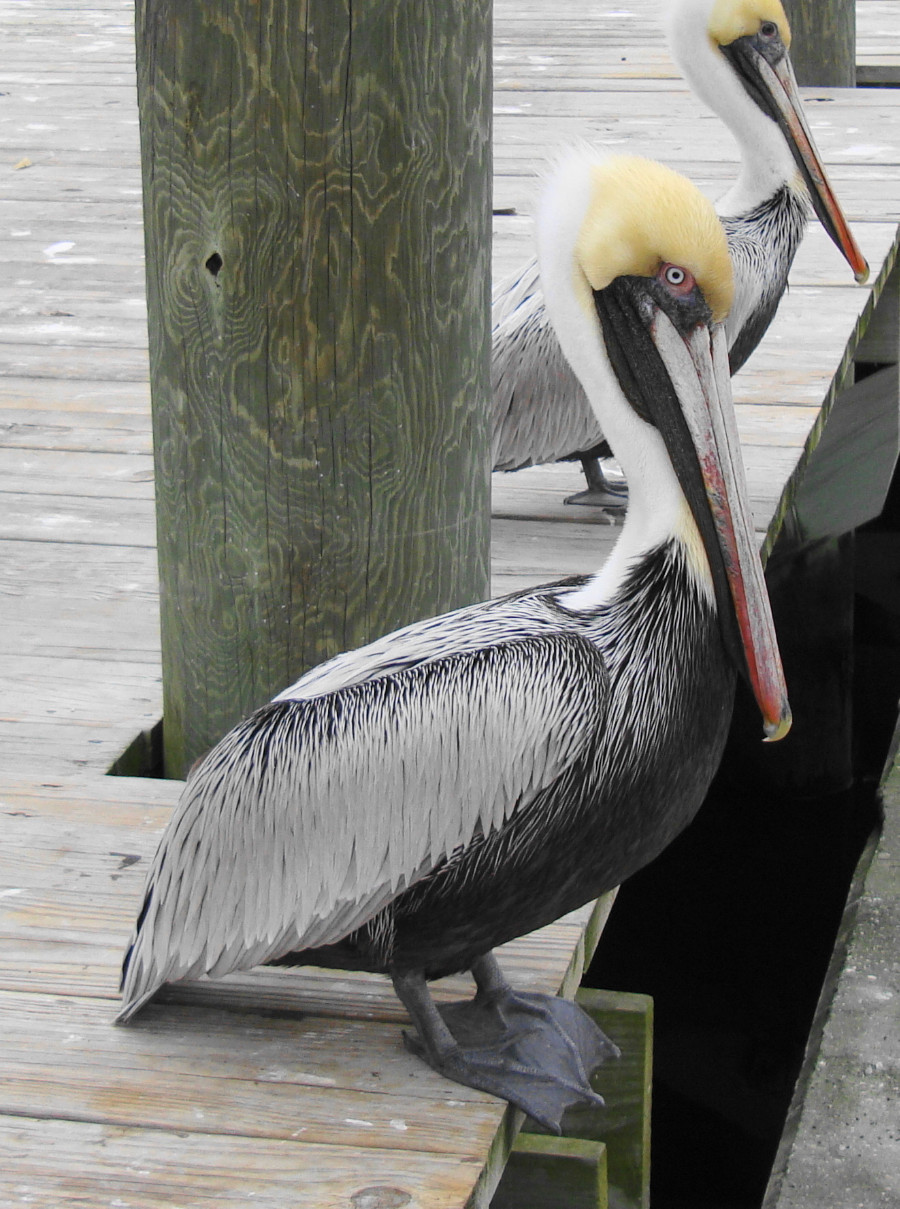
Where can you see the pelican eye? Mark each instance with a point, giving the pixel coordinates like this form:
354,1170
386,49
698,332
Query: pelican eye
677,280
769,29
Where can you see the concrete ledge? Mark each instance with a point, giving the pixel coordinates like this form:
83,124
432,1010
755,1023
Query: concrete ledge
841,1147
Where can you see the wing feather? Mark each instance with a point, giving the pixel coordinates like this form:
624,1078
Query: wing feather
309,817
540,412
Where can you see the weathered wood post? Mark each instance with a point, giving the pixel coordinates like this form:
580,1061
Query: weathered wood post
317,209
823,50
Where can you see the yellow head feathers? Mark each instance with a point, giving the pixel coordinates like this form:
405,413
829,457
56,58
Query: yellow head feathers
733,19
642,215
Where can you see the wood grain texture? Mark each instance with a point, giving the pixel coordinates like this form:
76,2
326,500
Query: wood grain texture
824,46
317,205
49,1163
331,1081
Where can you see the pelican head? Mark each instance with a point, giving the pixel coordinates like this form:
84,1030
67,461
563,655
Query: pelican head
637,280
750,41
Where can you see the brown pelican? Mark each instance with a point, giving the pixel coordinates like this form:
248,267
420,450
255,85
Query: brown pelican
734,54
407,807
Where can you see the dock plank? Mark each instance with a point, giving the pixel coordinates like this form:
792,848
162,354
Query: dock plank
330,1080
62,1162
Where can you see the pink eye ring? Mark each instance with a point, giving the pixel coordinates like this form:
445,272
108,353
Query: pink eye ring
677,280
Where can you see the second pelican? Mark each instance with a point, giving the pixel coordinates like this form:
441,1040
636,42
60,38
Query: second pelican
735,55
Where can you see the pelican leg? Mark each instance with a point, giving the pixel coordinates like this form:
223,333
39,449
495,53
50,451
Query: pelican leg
536,1051
600,493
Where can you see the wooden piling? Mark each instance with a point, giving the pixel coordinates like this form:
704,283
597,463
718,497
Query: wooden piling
317,208
823,49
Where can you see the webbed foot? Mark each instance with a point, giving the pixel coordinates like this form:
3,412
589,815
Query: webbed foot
536,1051
601,492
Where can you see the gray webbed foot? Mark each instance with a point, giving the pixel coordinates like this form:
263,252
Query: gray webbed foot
536,1051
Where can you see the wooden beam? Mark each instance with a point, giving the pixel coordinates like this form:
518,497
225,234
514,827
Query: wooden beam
548,1172
623,1125
880,345
823,49
849,472
317,209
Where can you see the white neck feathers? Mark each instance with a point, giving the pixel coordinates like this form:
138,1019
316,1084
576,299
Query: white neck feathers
766,161
657,509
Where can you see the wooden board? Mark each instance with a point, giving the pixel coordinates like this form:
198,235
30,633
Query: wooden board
52,1163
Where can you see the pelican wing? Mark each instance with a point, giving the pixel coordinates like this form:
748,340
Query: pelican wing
540,411
514,291
312,815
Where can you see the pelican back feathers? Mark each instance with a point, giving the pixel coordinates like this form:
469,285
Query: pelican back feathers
628,792
540,412
312,815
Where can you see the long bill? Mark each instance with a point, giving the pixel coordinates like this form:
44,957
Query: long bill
775,87
697,365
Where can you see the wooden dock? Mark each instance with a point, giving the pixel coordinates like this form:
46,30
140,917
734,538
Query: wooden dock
279,1088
